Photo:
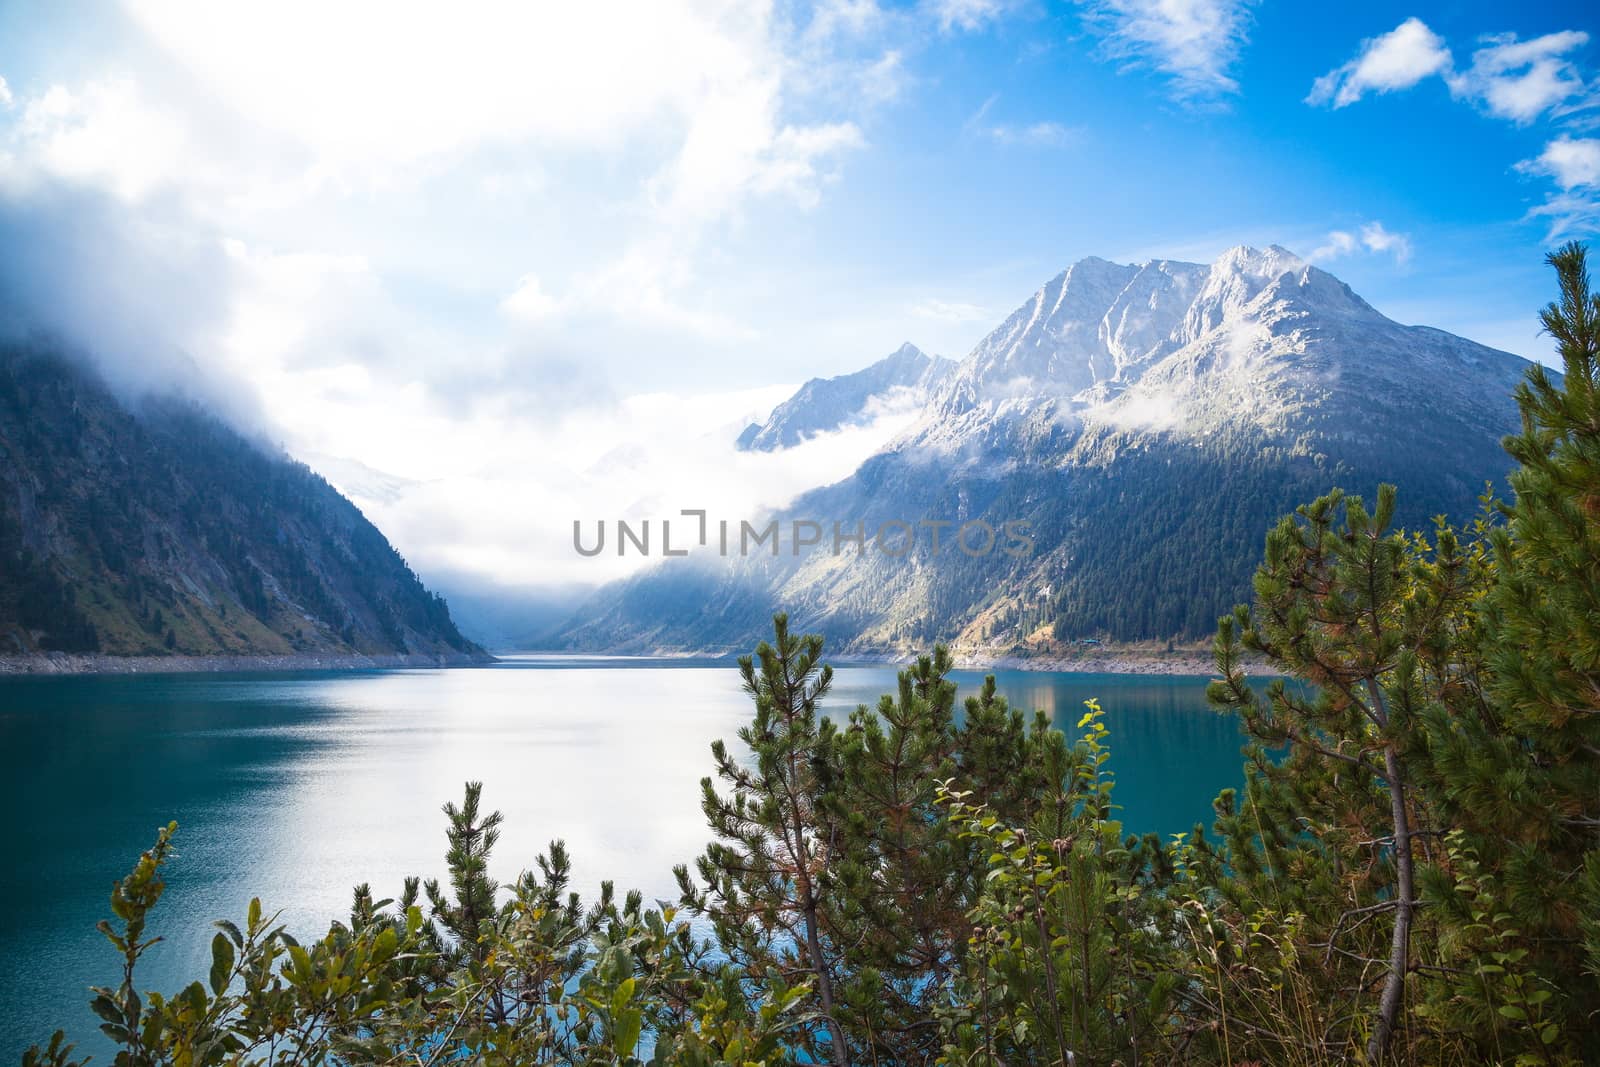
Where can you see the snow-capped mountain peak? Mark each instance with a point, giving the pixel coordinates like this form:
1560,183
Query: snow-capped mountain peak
1146,421
901,381
1257,334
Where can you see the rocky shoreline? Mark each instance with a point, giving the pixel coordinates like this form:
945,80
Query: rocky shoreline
1193,662
94,663
1106,661
1109,662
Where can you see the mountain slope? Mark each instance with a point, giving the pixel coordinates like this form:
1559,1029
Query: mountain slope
159,530
1148,423
904,379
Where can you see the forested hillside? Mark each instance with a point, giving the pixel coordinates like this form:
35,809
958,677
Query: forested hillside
150,527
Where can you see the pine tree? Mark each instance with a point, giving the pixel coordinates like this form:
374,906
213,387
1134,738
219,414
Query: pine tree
908,878
1349,607
1555,622
472,840
1543,617
902,870
1521,767
767,879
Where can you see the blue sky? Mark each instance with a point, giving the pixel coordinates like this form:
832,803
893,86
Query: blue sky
943,205
494,249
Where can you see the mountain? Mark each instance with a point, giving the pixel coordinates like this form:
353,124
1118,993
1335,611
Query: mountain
507,619
150,527
902,380
356,481
1147,422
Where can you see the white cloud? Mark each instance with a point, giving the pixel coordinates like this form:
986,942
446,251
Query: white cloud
1139,409
646,285
831,19
1340,243
966,15
529,302
853,52
974,121
1574,164
797,162
1572,214
569,76
1037,134
143,297
366,85
1396,60
105,134
697,99
1378,239
1194,42
432,245
1372,237
1521,80
883,80
648,457
1045,134
955,311
1509,78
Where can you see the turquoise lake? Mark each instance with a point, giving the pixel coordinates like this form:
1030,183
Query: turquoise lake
295,787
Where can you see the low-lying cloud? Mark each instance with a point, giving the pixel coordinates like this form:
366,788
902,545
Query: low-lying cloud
663,453
139,297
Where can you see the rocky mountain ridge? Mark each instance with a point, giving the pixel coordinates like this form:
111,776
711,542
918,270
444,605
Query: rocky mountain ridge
151,528
1148,422
903,380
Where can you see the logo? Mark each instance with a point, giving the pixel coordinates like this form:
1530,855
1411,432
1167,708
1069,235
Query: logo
894,538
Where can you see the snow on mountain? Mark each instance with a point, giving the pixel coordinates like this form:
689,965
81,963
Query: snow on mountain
364,485
1081,330
1258,337
1148,422
901,381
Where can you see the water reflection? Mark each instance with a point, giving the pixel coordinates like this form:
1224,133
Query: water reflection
296,787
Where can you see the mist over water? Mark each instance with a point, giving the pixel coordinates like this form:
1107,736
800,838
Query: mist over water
297,787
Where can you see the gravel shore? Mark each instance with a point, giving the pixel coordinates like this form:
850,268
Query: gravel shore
1087,661
87,663
1108,662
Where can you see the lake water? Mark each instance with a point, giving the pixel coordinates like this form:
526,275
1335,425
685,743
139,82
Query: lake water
295,787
